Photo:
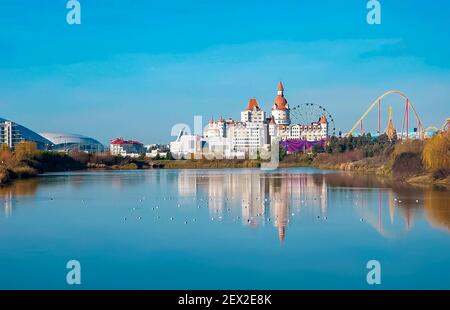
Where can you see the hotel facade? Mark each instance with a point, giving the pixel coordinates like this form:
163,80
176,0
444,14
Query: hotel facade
126,148
256,131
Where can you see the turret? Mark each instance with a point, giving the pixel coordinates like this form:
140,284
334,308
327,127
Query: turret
280,109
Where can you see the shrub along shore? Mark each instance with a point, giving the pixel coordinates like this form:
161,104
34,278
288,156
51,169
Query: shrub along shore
425,163
417,162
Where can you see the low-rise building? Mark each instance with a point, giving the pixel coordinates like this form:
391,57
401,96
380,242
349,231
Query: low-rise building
126,148
157,151
186,146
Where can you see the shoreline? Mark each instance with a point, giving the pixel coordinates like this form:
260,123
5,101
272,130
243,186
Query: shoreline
424,180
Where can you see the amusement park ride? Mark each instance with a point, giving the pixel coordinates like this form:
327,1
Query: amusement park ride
446,127
408,108
310,112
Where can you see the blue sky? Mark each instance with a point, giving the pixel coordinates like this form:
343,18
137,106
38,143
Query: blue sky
136,68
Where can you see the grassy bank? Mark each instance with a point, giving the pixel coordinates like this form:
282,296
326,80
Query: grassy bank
27,162
416,162
207,164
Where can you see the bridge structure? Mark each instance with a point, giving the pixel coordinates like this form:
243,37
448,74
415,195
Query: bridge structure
409,110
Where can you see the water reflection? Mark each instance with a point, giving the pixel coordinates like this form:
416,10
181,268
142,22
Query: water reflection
278,197
255,198
262,198
17,189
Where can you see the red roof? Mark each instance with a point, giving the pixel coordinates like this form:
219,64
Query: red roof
252,104
120,141
280,86
323,119
280,101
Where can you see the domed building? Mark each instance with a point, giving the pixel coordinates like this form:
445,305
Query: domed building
66,142
280,108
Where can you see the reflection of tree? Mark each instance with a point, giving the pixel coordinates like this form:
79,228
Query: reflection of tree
351,180
437,208
408,202
283,193
20,188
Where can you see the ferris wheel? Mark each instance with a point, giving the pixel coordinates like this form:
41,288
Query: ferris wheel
308,113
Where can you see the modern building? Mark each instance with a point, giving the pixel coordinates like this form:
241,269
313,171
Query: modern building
127,148
66,142
12,133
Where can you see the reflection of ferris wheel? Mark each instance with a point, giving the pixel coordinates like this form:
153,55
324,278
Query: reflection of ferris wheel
308,113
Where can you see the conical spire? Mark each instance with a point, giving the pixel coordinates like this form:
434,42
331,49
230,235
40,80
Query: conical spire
390,131
280,86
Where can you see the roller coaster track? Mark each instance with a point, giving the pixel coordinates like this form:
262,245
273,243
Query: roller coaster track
446,126
377,103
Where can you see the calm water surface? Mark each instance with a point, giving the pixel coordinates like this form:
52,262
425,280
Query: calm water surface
222,229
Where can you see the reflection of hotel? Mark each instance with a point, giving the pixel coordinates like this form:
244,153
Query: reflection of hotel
255,198
255,192
8,204
275,198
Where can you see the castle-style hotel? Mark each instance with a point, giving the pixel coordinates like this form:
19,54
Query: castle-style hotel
254,132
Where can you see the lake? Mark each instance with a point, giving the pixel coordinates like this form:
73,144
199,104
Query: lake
295,228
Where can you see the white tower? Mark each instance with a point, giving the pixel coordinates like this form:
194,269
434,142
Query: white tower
324,127
280,109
